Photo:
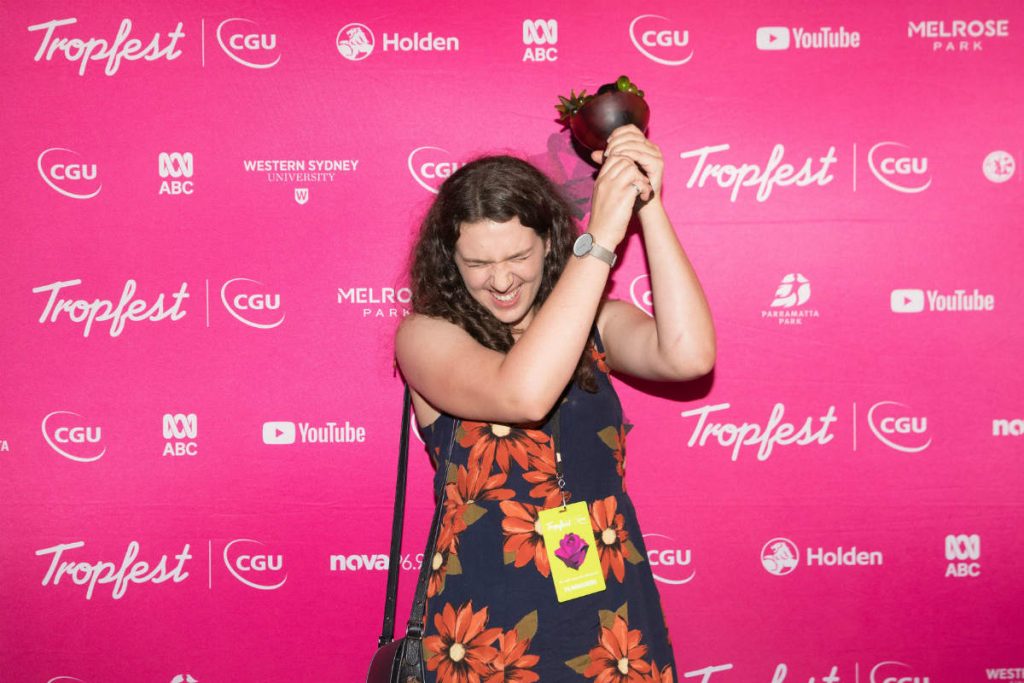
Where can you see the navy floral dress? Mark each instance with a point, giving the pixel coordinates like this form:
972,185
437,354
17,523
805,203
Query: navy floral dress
492,614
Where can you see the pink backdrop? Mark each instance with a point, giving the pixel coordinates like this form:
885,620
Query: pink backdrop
205,232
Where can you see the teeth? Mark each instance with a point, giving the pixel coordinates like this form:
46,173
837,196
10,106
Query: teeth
505,297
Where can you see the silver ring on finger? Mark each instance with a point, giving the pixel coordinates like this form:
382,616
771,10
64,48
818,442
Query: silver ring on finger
636,186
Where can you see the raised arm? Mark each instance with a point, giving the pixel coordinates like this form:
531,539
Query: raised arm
679,342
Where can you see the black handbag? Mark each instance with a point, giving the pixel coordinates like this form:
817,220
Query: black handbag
401,661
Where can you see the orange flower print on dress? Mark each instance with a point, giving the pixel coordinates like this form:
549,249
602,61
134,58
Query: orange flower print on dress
600,358
522,535
462,650
473,484
438,569
610,536
512,662
545,479
619,656
662,676
499,443
615,439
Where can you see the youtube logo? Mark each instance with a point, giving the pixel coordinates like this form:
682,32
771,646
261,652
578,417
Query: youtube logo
773,38
907,300
278,433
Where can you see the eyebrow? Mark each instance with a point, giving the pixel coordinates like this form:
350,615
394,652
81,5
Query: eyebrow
474,261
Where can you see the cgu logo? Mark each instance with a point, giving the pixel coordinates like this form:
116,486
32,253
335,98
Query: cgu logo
891,426
891,171
430,174
662,40
896,678
64,438
65,176
640,292
247,301
257,564
246,43
668,558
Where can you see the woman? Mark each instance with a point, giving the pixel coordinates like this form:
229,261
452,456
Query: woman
510,335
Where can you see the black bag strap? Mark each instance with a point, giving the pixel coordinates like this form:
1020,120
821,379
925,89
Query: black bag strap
397,519
394,558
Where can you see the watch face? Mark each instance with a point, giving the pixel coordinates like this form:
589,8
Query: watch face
583,244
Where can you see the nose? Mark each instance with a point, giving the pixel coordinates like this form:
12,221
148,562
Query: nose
502,279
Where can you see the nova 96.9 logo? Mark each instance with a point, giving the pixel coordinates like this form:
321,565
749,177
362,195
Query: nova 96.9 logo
246,45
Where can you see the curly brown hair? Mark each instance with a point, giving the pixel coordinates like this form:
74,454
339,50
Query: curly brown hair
497,188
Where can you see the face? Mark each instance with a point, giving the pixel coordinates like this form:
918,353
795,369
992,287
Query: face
502,265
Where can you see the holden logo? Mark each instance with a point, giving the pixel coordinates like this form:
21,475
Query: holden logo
355,42
780,556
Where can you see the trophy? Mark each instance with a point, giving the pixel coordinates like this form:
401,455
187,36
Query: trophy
592,118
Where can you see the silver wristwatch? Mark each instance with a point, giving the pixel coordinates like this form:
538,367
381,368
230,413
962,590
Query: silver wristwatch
585,244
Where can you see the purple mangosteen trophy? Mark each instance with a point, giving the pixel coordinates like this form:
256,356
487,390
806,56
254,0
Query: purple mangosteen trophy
592,118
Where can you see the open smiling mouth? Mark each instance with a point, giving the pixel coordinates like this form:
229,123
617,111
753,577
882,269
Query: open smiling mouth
507,300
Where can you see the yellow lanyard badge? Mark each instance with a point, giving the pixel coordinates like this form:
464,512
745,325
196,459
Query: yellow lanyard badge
569,541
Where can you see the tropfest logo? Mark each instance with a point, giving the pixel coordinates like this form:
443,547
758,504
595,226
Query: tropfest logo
113,51
775,432
766,178
128,308
120,572
65,172
660,40
245,44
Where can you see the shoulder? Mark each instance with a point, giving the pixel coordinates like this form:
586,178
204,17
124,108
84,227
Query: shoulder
425,339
